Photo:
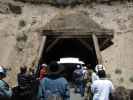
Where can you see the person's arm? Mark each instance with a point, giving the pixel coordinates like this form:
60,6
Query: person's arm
111,88
112,91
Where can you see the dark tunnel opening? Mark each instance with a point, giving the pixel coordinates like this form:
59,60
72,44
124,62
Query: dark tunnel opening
82,48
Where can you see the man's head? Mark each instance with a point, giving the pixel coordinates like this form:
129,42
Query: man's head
101,74
99,67
53,67
78,66
85,68
23,69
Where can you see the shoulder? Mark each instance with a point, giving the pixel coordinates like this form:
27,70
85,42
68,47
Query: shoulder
44,79
62,79
97,81
109,81
1,82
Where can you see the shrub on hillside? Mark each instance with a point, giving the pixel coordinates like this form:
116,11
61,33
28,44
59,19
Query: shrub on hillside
22,23
121,93
131,79
118,71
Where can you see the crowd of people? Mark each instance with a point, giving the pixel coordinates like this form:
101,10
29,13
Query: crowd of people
49,84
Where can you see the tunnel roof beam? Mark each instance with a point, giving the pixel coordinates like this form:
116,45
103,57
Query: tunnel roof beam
85,44
52,44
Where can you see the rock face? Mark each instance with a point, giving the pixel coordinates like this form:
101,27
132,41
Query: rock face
70,2
19,42
57,2
6,8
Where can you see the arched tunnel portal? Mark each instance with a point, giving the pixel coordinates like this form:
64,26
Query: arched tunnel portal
82,48
85,47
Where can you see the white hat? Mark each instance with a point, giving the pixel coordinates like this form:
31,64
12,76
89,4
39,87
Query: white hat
44,65
85,67
1,69
78,66
99,67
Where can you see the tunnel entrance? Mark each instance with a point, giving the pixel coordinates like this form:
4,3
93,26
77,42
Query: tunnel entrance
73,34
82,48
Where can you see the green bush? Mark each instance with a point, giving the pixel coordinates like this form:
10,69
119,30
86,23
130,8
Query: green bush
22,23
118,71
121,79
21,37
131,79
21,41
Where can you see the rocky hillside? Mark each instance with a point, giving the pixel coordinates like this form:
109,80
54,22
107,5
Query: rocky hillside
20,40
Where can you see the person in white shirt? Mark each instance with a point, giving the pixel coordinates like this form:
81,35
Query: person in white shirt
102,88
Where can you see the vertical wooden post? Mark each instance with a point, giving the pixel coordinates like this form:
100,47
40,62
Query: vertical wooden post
43,41
42,46
97,49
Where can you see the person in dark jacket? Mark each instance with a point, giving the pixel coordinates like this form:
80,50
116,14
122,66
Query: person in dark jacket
53,85
25,84
78,78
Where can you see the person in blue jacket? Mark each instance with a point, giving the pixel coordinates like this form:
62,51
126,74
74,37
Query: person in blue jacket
54,86
5,90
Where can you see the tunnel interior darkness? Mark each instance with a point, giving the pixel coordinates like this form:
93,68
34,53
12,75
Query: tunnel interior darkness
82,48
56,48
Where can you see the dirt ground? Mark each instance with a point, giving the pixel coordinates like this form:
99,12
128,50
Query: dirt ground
19,42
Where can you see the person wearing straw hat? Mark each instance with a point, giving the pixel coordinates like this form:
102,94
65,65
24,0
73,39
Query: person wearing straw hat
5,90
53,86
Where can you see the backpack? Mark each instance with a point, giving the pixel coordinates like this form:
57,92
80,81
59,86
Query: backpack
49,94
78,75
